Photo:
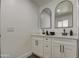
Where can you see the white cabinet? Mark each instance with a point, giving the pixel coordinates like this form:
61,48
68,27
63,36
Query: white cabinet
41,46
37,46
47,47
64,48
50,47
56,49
70,49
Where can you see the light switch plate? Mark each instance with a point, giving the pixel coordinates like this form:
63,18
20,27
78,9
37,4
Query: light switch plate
10,29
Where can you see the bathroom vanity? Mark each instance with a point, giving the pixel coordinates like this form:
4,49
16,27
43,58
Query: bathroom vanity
65,42
54,47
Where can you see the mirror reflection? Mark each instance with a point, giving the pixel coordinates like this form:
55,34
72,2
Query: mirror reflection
64,14
45,20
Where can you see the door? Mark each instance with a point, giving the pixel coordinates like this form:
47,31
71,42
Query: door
56,49
69,51
37,46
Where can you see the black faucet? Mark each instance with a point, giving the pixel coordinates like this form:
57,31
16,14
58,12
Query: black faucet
64,33
47,33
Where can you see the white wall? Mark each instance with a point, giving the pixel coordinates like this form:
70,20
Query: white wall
78,18
18,22
0,27
52,5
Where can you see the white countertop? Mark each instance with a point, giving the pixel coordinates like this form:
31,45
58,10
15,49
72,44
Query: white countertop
56,36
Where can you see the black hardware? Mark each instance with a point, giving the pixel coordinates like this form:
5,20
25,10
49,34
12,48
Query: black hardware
52,33
46,39
0,35
43,32
64,33
47,33
64,30
46,46
60,48
71,33
63,48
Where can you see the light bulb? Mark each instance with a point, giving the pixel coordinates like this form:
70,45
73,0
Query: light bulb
58,10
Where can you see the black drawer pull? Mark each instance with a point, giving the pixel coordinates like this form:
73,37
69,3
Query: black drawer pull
46,46
46,39
63,48
60,48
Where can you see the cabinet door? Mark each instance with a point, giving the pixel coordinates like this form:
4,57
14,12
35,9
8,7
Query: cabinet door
56,50
69,51
47,47
69,48
37,46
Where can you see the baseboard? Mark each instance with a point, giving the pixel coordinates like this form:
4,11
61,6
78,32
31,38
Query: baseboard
27,54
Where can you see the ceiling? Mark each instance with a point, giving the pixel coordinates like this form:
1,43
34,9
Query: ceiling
41,2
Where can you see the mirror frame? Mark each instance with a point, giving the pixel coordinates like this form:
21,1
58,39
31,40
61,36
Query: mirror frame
55,14
50,18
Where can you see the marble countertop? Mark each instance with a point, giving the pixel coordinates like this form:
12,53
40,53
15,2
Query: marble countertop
56,36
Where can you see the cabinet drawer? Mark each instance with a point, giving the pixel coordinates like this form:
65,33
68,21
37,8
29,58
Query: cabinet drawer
47,39
47,44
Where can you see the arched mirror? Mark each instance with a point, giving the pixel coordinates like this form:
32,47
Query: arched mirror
64,14
45,21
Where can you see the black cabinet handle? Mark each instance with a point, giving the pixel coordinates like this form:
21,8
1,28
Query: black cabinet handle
60,48
46,46
63,48
46,39
0,35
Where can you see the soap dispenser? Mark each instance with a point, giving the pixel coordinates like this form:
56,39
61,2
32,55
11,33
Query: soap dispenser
71,33
43,32
47,33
